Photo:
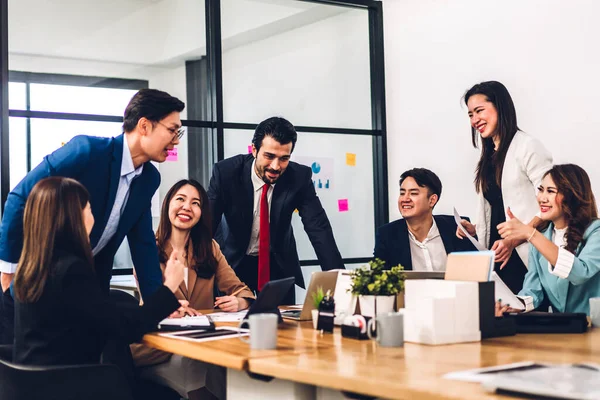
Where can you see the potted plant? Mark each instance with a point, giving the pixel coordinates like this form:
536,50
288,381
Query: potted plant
377,287
317,298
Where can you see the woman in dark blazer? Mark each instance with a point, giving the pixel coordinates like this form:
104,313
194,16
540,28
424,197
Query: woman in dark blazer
61,314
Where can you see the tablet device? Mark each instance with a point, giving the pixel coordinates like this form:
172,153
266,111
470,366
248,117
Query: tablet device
270,297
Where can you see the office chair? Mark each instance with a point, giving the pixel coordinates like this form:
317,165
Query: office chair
67,382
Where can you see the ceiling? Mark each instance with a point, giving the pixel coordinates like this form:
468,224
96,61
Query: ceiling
147,32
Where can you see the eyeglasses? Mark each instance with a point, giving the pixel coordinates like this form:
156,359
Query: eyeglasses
175,132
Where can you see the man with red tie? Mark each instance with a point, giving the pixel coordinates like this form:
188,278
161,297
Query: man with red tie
252,199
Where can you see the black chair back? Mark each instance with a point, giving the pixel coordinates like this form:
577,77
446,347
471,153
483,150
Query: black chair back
68,382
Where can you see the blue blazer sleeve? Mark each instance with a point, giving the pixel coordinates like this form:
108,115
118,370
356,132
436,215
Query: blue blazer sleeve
144,254
532,285
587,260
69,161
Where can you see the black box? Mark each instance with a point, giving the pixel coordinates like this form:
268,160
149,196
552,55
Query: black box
489,325
353,332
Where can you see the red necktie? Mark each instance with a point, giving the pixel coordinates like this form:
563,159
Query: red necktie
264,273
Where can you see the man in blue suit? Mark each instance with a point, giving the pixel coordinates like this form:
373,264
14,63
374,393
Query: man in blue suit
121,181
252,200
420,241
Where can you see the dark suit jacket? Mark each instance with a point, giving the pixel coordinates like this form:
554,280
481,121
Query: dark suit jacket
231,197
96,163
392,243
71,321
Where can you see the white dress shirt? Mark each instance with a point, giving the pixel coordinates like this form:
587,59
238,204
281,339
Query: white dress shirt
128,173
429,255
258,184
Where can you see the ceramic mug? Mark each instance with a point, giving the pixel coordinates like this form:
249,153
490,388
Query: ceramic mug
389,328
263,331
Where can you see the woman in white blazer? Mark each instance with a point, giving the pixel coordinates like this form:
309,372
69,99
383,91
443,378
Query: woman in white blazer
510,168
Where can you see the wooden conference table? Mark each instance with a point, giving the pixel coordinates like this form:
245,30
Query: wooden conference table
308,364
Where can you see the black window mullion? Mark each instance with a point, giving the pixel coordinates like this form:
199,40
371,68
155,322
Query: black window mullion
28,126
215,72
4,134
378,115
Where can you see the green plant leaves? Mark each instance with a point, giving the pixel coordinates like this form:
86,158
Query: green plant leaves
375,280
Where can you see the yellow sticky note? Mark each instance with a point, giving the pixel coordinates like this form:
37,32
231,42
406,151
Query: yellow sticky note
351,159
296,210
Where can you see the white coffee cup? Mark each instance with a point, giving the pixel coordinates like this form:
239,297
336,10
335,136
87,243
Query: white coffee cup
389,328
263,331
595,311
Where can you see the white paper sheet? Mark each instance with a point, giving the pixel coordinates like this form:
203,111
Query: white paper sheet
479,374
477,245
502,292
228,316
196,321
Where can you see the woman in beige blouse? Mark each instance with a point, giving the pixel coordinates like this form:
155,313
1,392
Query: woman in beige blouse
185,226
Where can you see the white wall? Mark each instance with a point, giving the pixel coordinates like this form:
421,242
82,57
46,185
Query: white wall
544,51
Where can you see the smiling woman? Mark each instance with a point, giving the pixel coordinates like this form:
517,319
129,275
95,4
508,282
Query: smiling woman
511,165
185,228
565,249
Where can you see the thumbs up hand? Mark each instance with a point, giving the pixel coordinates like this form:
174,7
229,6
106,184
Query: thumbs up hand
174,272
513,229
509,213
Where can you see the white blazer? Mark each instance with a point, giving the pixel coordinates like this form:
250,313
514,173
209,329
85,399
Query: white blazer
526,162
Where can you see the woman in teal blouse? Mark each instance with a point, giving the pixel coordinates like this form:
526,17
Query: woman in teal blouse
564,256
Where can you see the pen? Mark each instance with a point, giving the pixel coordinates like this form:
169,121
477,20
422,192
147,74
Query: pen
236,292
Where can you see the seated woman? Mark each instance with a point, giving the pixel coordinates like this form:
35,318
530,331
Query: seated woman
61,314
564,258
185,226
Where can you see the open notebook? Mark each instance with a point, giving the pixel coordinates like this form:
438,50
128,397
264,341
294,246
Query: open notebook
201,322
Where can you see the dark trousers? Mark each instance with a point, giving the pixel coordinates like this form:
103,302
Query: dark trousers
247,271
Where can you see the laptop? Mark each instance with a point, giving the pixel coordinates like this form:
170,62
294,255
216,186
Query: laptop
324,279
425,274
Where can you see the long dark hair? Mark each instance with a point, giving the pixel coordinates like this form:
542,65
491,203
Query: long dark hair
497,94
200,234
578,203
53,219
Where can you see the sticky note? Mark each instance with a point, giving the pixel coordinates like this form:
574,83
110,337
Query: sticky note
249,149
172,154
296,210
351,159
343,205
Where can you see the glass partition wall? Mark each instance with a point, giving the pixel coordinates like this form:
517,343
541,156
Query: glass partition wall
71,67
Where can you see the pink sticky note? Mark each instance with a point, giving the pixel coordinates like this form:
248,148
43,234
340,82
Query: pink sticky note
172,154
343,205
249,149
